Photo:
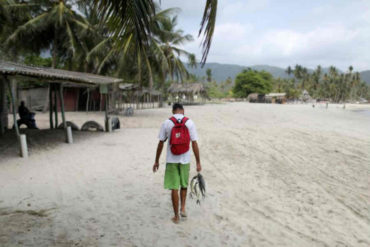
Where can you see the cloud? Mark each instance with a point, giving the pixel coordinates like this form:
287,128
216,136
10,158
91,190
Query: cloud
326,32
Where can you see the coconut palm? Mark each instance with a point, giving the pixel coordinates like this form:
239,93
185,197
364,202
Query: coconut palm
168,40
161,54
56,26
12,14
122,15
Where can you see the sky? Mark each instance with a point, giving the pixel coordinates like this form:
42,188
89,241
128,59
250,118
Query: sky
283,32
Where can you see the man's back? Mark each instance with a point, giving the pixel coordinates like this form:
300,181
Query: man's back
165,134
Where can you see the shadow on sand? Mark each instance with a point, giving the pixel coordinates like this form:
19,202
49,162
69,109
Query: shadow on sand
39,140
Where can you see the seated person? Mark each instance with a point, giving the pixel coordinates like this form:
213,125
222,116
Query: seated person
26,116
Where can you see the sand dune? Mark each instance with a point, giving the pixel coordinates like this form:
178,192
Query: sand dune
277,175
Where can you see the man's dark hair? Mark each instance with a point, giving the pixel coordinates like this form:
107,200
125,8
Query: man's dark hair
177,106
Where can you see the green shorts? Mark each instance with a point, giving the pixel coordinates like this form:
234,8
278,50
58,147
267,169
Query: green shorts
176,175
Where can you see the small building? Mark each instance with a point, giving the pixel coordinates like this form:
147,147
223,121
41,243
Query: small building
256,98
187,93
305,96
275,98
75,98
136,97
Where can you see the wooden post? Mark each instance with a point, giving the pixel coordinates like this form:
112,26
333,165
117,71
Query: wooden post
51,106
23,146
61,101
21,138
13,106
56,105
78,99
67,129
100,102
106,111
69,135
3,107
87,101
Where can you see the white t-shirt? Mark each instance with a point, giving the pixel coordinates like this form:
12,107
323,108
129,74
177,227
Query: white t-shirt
165,133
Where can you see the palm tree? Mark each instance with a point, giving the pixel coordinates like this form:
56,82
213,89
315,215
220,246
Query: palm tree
12,14
289,70
317,77
167,40
56,26
121,16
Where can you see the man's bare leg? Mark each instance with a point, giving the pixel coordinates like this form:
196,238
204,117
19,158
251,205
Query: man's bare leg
183,194
175,204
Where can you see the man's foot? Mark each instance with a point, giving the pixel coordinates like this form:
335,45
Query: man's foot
183,214
176,219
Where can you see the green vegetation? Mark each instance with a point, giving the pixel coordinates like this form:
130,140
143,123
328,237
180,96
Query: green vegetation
333,85
134,40
252,81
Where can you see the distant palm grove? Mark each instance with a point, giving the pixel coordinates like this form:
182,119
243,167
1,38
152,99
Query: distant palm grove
134,40
331,85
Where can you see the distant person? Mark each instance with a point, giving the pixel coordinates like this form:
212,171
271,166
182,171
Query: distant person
178,156
26,116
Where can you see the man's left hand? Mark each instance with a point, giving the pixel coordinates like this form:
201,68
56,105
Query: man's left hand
155,166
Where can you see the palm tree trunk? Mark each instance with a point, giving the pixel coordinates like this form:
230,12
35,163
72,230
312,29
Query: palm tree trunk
53,65
163,82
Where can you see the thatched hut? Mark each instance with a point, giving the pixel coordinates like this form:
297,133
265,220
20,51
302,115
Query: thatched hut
256,98
305,96
279,98
187,93
132,96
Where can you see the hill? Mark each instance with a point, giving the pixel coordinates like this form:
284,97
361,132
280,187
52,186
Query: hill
221,72
365,75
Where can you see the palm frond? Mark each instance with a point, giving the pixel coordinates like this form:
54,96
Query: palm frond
120,15
27,27
71,39
207,27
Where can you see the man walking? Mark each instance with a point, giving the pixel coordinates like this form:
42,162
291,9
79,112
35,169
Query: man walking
179,131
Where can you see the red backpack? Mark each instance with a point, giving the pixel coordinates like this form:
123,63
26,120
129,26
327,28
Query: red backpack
180,138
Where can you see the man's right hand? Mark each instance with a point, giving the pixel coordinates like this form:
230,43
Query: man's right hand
155,166
199,167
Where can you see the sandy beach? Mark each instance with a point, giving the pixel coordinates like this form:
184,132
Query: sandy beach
277,175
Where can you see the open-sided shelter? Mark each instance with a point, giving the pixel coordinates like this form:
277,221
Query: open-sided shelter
187,93
56,78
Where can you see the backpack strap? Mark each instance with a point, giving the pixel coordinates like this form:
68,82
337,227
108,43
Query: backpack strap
174,120
183,120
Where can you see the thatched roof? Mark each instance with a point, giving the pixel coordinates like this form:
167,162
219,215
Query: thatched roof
147,91
54,75
128,86
186,88
275,95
